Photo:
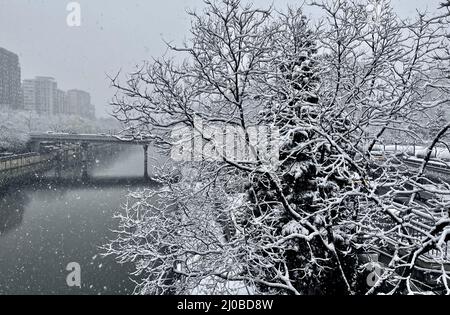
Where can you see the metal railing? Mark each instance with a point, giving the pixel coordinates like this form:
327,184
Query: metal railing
22,160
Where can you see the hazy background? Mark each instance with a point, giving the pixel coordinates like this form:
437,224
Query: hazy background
113,35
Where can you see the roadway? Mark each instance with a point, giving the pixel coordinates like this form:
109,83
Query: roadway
90,138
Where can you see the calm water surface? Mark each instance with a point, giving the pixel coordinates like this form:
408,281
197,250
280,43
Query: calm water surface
45,226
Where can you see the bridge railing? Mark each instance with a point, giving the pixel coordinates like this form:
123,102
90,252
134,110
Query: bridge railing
414,150
22,160
418,232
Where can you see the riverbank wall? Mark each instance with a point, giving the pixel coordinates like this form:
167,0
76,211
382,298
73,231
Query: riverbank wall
28,166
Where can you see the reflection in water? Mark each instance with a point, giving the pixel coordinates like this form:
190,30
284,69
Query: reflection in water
54,221
94,183
12,207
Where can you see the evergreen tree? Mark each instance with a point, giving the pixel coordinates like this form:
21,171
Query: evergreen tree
292,112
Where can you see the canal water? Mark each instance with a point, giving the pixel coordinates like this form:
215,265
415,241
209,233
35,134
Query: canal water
45,225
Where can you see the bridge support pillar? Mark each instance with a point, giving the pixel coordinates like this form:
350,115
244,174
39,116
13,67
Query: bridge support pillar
35,146
146,161
84,160
59,162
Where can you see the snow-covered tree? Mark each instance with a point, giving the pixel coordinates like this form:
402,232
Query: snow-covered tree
439,121
305,223
294,109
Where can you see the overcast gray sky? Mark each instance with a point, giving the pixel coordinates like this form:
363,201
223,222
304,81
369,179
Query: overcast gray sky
114,34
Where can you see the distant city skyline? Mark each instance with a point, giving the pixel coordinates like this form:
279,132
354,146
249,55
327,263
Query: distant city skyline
42,95
39,94
82,57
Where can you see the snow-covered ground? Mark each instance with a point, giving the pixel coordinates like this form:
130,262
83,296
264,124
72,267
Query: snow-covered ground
417,151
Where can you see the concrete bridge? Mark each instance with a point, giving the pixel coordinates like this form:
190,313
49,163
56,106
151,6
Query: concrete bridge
85,139
88,138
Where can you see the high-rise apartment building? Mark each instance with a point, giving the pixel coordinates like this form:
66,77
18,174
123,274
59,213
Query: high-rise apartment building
29,94
45,94
79,103
60,106
40,95
10,95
